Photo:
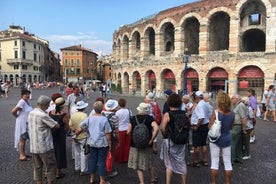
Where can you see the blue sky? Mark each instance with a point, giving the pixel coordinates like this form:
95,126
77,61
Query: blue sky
90,23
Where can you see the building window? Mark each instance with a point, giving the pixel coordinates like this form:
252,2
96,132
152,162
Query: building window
40,68
34,56
78,71
16,67
15,43
78,53
34,46
23,43
72,53
72,70
255,19
15,54
24,67
78,62
72,62
24,54
66,62
65,53
35,68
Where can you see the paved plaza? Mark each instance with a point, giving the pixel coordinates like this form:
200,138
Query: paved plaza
260,169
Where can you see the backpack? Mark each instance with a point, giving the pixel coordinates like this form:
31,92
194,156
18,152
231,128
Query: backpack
140,135
179,127
113,134
157,113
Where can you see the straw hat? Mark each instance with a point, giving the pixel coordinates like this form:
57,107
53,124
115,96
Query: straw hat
142,108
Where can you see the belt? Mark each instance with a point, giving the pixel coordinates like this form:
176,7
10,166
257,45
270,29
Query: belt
237,125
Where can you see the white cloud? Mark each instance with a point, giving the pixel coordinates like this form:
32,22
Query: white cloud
88,40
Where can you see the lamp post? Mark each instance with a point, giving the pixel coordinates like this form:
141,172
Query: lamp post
185,61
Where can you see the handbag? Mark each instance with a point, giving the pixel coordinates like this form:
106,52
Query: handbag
86,146
215,130
109,162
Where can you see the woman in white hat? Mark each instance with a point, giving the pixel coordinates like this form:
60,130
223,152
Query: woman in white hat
79,138
141,159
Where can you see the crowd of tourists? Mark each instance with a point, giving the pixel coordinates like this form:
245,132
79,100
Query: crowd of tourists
113,133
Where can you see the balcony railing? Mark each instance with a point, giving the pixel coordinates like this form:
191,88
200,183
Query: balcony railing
20,61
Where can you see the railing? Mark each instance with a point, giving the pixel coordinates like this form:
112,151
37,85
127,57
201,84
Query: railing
21,61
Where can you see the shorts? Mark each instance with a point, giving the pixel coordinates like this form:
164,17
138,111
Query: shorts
263,107
199,136
271,106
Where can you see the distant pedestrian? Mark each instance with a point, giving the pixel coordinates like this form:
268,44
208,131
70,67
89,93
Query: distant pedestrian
41,141
21,112
223,144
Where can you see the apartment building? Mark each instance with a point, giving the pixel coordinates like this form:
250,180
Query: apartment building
78,63
24,57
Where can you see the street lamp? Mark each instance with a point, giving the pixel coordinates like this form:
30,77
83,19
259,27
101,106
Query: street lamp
185,61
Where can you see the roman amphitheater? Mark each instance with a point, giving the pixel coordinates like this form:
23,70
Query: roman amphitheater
207,45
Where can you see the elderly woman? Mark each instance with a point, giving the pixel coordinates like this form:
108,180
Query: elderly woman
99,141
81,160
223,144
21,112
141,159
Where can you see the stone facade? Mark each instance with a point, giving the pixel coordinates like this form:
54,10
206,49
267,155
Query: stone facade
227,45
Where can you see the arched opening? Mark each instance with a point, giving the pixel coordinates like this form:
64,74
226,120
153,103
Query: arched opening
136,82
219,31
136,41
251,77
150,80
126,83
192,80
191,35
253,40
125,47
168,80
218,77
168,37
30,78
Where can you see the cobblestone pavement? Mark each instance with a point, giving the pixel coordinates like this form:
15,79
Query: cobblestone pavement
260,169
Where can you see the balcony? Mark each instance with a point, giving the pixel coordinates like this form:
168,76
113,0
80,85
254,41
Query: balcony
19,61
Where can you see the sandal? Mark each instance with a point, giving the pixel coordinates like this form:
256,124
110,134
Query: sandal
204,163
193,164
61,175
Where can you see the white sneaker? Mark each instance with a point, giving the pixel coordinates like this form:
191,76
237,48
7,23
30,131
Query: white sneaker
113,174
246,157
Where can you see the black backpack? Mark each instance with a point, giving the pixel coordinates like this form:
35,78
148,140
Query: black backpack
178,127
140,135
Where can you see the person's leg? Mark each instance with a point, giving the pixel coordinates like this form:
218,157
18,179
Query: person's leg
204,155
214,151
140,175
77,152
102,154
235,138
21,146
93,158
49,160
226,155
83,157
169,174
37,168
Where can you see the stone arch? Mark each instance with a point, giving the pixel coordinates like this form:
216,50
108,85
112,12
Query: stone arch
168,79
218,78
136,41
218,31
149,41
192,79
167,39
136,82
191,27
252,16
266,3
150,80
126,83
125,47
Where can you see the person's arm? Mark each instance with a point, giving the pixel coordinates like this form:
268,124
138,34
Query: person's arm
212,120
15,111
154,133
164,123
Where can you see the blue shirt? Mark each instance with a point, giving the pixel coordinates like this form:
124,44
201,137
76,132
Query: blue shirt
97,127
226,125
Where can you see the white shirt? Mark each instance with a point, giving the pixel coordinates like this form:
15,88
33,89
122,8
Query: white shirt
264,96
124,118
202,111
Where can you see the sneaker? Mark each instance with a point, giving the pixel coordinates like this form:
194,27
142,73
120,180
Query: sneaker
246,157
84,173
112,174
